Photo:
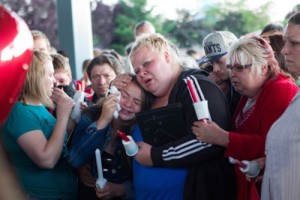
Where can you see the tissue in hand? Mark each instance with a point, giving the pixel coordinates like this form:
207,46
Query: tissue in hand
112,90
78,98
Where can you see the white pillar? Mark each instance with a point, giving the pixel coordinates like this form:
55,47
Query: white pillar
75,32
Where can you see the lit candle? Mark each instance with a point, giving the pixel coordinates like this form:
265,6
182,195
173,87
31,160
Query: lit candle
192,91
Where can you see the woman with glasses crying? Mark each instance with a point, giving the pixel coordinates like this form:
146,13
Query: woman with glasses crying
266,93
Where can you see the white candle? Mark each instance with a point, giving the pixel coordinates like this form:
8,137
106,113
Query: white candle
99,164
101,181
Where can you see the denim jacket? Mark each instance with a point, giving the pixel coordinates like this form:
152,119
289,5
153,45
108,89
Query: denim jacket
86,139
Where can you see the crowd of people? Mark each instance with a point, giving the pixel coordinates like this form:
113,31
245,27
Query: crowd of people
250,84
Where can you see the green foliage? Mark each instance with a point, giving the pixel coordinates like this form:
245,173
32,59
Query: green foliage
296,8
187,32
237,17
130,13
113,24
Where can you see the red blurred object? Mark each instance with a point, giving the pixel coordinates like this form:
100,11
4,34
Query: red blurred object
193,93
16,46
238,162
254,194
123,136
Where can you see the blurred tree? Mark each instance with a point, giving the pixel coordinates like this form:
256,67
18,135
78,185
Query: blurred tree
38,14
237,17
103,25
295,9
127,14
188,31
113,24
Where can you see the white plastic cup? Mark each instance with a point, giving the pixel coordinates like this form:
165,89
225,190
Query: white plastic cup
252,169
131,147
201,109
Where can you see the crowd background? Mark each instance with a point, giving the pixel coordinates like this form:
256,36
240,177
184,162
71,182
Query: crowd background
101,73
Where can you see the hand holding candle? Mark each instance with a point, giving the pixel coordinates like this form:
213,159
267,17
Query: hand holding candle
129,144
251,169
101,181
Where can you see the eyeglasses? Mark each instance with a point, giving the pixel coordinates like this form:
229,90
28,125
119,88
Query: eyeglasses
237,67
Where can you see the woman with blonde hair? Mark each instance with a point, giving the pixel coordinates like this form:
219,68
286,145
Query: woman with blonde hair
35,140
184,168
41,41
